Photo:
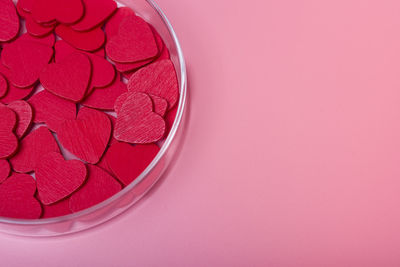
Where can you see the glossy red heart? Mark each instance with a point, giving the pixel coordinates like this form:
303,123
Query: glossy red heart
9,21
88,41
17,198
127,162
159,79
134,42
25,61
87,136
57,209
64,11
69,78
136,121
96,12
99,186
5,170
24,116
32,148
57,178
8,140
52,110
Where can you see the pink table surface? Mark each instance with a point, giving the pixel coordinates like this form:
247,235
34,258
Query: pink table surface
292,150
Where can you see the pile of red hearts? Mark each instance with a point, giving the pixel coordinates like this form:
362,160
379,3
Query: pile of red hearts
87,94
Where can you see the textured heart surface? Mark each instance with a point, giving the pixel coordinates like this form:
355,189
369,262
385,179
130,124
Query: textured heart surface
24,116
26,61
57,178
17,198
13,92
159,79
5,170
87,136
9,21
127,162
8,140
160,105
57,209
88,41
51,109
69,78
134,41
98,187
32,148
96,12
64,11
136,121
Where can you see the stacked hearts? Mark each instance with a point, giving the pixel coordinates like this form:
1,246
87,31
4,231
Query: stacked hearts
104,97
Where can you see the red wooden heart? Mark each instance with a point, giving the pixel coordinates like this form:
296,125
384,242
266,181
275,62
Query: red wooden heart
57,178
25,60
112,25
9,21
13,93
3,85
99,186
17,198
8,140
69,78
32,148
52,109
5,170
157,79
160,105
134,42
136,121
87,136
64,11
35,28
88,41
24,116
96,12
57,209
127,162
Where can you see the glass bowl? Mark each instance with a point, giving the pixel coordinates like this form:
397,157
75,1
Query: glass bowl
120,202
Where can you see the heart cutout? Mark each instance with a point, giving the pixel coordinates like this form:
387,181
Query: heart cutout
32,148
134,42
127,162
5,170
17,198
87,136
57,178
87,41
8,140
9,21
13,93
113,23
136,121
99,186
69,78
160,105
3,86
24,116
96,12
36,29
64,11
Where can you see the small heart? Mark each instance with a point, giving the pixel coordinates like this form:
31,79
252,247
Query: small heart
57,209
87,136
25,61
51,109
127,162
113,23
88,41
32,148
160,105
57,178
69,78
17,198
13,93
96,12
9,21
8,140
159,79
64,11
136,121
24,116
3,85
134,42
99,186
5,170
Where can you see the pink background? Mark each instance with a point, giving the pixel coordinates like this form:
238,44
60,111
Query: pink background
292,150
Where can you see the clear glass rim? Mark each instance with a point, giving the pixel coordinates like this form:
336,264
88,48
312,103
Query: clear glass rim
152,165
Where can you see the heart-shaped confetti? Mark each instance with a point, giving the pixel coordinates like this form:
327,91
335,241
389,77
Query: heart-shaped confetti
5,170
134,42
157,79
9,21
160,105
57,178
37,29
87,136
99,186
52,110
88,41
136,121
64,11
57,209
8,140
32,148
96,11
127,162
112,25
17,198
24,116
69,78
